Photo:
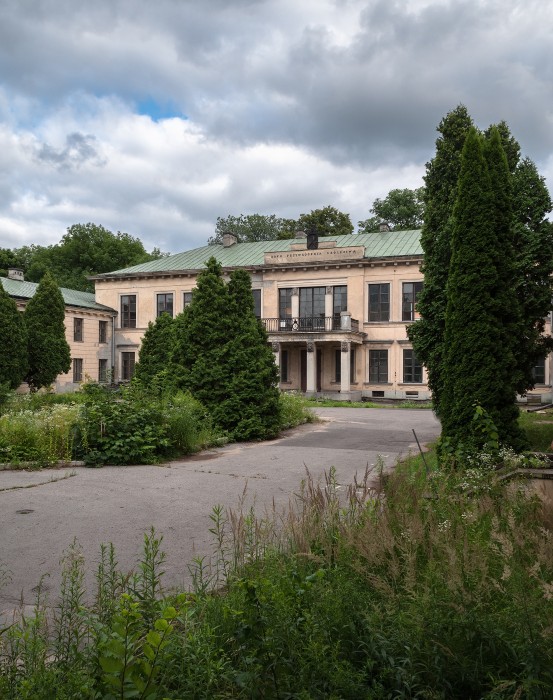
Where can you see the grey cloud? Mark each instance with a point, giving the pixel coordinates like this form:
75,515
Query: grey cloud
78,150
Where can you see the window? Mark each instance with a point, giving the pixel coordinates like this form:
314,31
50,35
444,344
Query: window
102,331
378,366
352,364
127,366
102,371
187,299
284,365
338,365
339,303
538,372
379,302
412,368
411,291
78,329
312,308
128,311
257,302
285,308
164,304
77,369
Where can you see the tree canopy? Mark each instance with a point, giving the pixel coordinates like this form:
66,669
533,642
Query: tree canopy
327,221
249,228
86,249
401,210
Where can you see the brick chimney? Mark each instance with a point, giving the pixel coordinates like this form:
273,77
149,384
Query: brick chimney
229,239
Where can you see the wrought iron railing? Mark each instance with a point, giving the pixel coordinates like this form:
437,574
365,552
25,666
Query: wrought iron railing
310,324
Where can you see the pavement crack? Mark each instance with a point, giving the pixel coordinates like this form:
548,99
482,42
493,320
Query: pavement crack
52,480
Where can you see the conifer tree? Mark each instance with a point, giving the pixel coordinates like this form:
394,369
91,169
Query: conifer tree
251,408
442,172
13,348
198,360
49,353
152,369
479,363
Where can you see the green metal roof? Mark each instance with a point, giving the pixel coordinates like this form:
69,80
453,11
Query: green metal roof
383,244
71,297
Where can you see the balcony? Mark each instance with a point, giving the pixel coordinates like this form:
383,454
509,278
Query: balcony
312,324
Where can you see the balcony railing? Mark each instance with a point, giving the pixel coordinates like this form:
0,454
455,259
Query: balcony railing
311,324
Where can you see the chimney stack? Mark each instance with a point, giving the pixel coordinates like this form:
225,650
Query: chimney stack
14,273
229,239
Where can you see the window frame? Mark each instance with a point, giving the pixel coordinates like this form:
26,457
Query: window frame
102,332
77,367
408,311
257,307
102,375
165,305
381,312
128,362
376,356
186,299
412,368
284,366
538,371
128,316
78,330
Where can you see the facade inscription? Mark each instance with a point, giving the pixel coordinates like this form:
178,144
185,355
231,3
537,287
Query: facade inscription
320,255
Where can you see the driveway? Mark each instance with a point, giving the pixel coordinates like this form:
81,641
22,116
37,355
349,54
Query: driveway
42,512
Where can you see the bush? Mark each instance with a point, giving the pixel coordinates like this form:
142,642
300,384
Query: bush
294,410
188,424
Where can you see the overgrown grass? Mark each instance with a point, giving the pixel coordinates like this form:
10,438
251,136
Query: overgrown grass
349,593
539,429
295,410
332,403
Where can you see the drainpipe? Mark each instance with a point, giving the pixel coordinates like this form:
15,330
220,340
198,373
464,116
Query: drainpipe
113,349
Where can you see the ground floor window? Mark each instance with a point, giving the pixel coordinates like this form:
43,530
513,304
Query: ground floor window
127,366
284,365
77,369
352,365
338,365
378,366
102,371
538,372
412,368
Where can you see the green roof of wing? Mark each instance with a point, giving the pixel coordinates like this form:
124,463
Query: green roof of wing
383,244
72,297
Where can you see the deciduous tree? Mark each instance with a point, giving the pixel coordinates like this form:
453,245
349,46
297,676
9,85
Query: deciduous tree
249,228
48,350
327,221
401,210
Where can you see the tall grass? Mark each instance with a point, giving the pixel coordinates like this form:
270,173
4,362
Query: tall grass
401,587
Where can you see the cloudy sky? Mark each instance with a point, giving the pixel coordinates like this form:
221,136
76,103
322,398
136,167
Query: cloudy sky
156,117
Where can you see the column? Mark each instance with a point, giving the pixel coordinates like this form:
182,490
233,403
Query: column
345,386
311,383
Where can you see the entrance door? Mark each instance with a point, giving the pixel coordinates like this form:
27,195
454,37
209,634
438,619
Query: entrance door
303,370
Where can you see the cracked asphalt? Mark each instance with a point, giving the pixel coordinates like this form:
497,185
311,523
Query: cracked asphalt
42,512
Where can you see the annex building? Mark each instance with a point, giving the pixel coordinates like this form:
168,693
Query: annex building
336,310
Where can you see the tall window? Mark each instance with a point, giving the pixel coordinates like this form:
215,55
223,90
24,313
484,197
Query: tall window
411,291
378,366
257,302
312,308
339,303
78,329
338,365
102,371
187,299
538,372
412,368
165,304
102,331
285,308
352,364
379,302
77,363
128,311
127,366
284,365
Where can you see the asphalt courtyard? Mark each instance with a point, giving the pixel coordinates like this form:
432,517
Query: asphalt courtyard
42,512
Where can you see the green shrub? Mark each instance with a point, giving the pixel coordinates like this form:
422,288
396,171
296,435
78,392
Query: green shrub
188,424
294,410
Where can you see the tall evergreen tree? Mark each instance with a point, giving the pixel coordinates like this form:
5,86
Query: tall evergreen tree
198,360
442,173
48,350
251,408
13,348
152,369
478,363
